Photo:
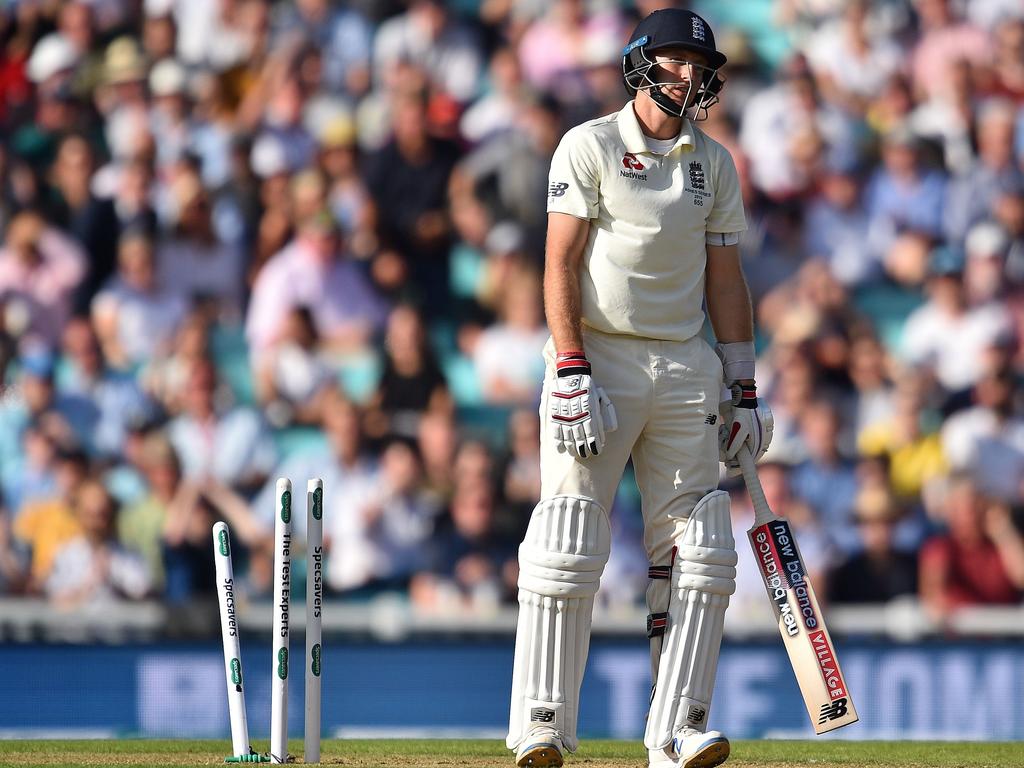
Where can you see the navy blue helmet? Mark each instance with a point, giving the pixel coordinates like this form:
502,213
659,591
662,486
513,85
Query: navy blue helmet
673,28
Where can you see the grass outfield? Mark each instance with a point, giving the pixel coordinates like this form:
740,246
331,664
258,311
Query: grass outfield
492,754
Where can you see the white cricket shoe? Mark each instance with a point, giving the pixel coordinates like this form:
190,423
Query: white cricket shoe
540,749
691,749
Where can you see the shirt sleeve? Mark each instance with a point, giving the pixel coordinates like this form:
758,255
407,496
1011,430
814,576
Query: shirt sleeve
574,181
727,214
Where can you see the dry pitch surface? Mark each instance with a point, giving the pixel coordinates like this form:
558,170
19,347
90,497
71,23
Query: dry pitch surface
491,754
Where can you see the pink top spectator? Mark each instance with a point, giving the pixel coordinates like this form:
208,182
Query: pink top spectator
40,268
308,273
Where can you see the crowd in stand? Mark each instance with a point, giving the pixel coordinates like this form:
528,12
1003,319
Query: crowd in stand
245,239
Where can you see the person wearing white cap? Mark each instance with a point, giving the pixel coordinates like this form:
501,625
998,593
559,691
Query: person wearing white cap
52,61
169,115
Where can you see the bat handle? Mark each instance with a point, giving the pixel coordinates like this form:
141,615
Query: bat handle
762,512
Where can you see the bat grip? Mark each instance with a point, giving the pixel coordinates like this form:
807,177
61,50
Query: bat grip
762,512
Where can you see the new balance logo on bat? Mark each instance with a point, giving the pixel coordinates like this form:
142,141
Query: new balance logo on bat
832,711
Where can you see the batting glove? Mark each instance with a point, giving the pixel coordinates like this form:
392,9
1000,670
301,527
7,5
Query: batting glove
579,412
748,422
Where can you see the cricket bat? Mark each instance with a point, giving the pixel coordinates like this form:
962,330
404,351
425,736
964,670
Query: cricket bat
801,624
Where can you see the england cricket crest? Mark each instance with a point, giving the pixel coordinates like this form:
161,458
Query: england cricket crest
697,176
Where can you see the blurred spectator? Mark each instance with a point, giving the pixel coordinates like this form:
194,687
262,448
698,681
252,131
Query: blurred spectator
378,540
36,421
908,440
903,194
499,106
556,47
188,559
972,194
193,262
115,396
979,561
430,38
790,109
342,35
347,195
985,278
312,272
136,317
507,355
879,573
412,381
408,178
947,335
349,472
520,475
851,62
869,375
47,523
986,442
437,441
944,39
835,225
39,271
165,378
214,439
825,479
12,570
516,191
92,569
169,114
467,559
90,220
282,103
292,379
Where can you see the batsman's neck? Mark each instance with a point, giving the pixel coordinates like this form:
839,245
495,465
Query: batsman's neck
654,122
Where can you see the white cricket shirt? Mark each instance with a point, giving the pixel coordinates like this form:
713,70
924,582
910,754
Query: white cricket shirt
643,265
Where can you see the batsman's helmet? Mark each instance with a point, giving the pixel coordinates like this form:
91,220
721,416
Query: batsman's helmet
673,28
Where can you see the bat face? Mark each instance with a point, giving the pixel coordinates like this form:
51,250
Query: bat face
803,631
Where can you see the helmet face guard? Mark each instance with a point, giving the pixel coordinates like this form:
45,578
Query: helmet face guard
639,72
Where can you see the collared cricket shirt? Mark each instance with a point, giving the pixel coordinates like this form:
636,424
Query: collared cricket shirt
643,265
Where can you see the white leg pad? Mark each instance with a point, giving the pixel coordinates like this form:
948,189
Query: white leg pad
685,656
560,565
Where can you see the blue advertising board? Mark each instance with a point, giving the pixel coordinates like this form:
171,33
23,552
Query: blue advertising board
961,691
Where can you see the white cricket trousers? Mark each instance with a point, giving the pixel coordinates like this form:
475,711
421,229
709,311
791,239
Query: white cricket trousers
666,396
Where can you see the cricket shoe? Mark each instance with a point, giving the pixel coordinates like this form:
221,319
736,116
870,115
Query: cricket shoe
691,749
540,749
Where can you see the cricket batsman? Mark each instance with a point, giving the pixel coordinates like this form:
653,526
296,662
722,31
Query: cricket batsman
644,212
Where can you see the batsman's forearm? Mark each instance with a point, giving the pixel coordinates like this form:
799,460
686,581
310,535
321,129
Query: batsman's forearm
566,239
562,307
730,311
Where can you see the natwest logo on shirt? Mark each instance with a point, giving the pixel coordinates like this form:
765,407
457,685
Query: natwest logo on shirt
632,168
630,163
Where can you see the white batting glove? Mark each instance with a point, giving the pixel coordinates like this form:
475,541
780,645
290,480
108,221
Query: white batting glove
748,422
579,412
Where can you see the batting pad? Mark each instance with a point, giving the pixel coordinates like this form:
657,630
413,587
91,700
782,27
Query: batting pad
702,577
560,565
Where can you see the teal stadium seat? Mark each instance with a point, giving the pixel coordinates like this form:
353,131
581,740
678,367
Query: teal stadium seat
231,355
299,441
